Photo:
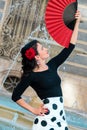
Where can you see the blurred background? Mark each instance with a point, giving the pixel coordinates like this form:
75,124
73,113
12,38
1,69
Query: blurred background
22,21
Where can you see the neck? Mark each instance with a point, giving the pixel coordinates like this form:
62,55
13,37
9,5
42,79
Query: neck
41,67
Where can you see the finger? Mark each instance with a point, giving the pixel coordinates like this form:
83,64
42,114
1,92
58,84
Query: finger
43,108
41,114
43,111
77,15
77,11
46,109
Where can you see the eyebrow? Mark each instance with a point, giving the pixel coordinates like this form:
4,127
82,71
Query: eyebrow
41,45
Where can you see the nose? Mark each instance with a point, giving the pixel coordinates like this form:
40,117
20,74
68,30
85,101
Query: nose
45,48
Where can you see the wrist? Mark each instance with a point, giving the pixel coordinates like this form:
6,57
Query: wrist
31,109
78,21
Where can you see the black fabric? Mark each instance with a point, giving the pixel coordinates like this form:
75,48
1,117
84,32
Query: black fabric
69,15
46,83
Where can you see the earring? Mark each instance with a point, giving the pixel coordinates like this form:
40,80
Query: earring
38,62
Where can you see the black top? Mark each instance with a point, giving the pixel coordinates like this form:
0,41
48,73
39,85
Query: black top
46,83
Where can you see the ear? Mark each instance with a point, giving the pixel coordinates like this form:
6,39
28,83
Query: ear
37,57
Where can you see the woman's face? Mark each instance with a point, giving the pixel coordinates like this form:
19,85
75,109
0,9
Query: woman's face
42,51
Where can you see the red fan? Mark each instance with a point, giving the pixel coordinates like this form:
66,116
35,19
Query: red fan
60,20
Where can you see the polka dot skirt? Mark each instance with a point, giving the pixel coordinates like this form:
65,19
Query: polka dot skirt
54,119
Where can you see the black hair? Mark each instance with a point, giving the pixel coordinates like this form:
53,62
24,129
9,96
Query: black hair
29,65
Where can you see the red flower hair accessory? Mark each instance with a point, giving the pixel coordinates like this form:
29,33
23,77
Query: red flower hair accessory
30,53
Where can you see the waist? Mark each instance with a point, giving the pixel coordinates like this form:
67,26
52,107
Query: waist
58,99
50,94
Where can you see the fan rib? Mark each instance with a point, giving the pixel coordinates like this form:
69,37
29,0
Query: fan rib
58,31
61,2
55,28
53,17
54,6
53,21
55,11
53,25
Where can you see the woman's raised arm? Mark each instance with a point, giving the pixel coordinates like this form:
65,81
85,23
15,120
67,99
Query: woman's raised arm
75,31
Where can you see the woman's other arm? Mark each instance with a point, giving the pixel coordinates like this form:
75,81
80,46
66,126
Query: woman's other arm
16,97
37,111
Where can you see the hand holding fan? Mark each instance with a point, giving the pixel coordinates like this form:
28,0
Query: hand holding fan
60,20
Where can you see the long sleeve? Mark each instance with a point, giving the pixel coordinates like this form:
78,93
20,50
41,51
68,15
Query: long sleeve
20,88
55,62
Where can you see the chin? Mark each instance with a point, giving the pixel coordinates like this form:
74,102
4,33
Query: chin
48,56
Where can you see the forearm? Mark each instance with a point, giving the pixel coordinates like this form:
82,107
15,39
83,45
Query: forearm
25,105
75,33
76,28
37,111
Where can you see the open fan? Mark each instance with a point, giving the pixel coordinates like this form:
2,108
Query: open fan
60,20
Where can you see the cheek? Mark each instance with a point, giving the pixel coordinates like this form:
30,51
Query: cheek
45,56
41,54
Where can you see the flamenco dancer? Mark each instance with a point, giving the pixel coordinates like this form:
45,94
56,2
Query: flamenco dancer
44,79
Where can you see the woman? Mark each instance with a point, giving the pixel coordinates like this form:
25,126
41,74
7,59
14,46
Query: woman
44,79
